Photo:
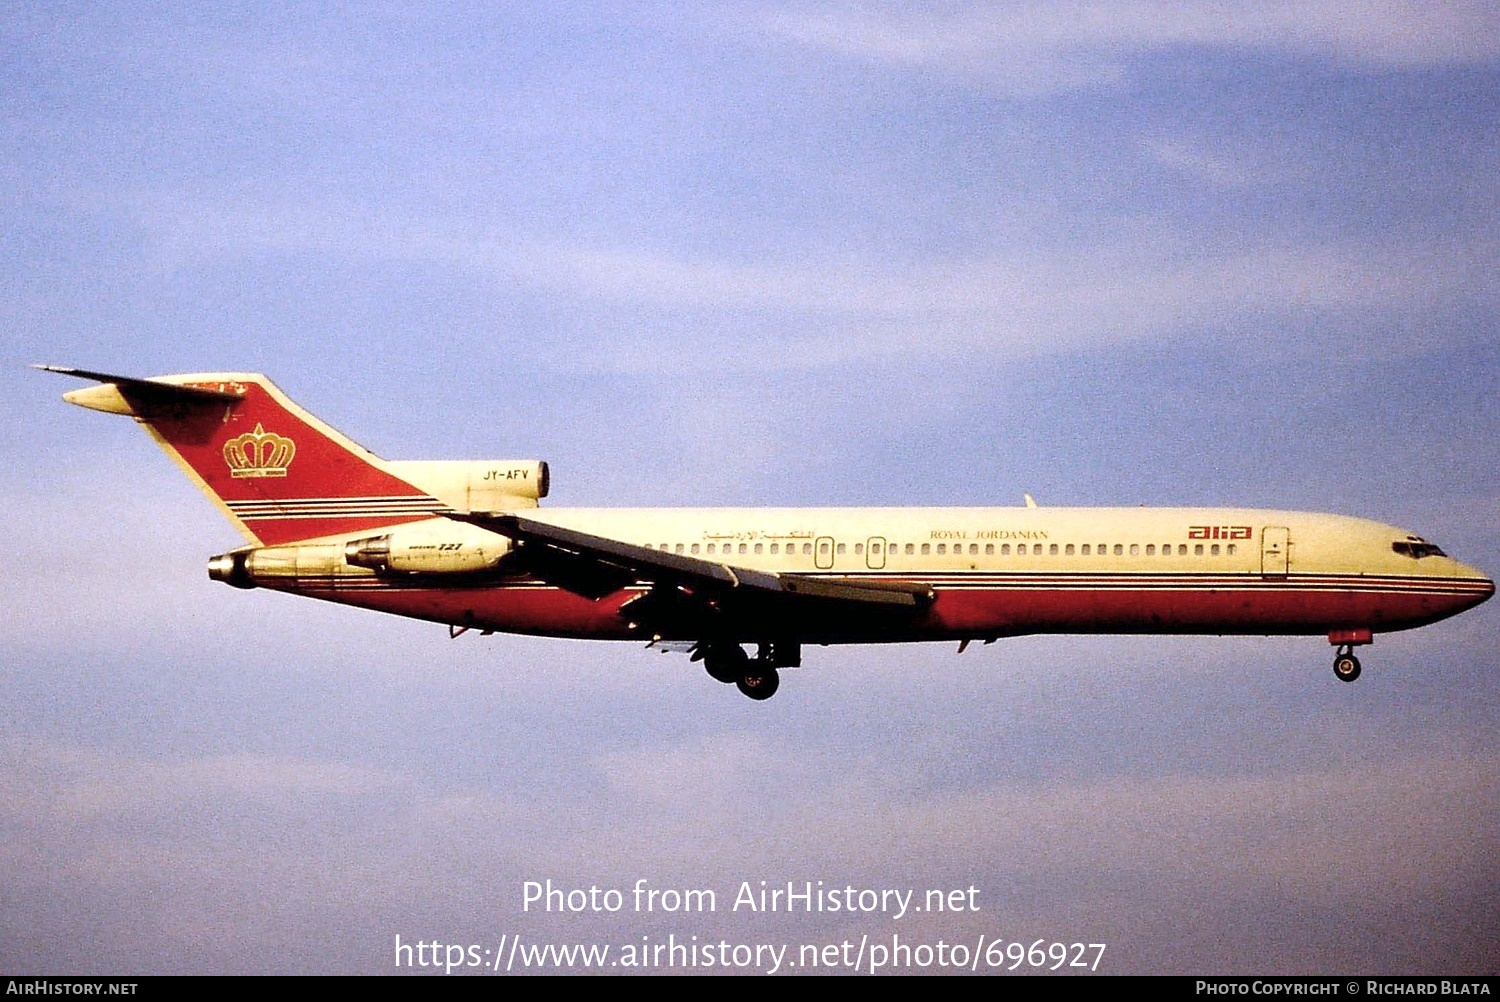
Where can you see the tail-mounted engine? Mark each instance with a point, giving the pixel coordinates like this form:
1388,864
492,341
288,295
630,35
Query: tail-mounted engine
439,547
478,485
458,549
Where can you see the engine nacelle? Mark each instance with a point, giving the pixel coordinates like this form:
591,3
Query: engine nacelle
441,548
438,546
478,485
283,566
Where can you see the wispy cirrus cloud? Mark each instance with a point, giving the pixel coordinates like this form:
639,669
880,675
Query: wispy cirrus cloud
1051,47
1139,282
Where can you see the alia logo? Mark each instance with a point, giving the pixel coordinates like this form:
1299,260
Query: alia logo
1218,532
259,453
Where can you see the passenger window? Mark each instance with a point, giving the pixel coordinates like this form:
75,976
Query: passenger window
1119,549
840,549
989,549
926,549
694,548
679,547
744,548
1069,551
760,547
1150,549
1005,549
910,549
1214,550
1229,549
1085,549
775,548
942,548
1197,549
1052,550
807,549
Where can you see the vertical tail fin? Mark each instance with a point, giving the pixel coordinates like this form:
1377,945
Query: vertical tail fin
277,472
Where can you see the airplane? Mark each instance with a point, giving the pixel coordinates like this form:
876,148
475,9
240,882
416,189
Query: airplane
466,544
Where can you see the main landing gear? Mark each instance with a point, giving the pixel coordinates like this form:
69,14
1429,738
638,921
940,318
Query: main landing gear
756,677
1345,664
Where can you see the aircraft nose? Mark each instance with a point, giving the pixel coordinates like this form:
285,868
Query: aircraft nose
1479,587
1489,589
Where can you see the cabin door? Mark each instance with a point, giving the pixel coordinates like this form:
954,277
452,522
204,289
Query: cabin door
823,552
1275,551
875,553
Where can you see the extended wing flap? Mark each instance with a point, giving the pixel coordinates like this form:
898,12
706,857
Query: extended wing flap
904,594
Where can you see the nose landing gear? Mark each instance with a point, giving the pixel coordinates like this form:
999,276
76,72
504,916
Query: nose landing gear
1345,664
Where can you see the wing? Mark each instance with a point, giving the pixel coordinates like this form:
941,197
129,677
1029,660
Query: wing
689,596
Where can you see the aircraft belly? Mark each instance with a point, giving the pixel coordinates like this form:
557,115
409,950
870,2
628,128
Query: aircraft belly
538,610
1251,605
1255,606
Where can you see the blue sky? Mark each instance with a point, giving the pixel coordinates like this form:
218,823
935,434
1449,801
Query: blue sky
749,254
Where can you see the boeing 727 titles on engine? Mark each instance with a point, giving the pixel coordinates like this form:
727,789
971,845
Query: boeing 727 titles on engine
466,544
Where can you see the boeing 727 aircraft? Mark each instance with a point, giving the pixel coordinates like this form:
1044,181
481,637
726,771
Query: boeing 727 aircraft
466,544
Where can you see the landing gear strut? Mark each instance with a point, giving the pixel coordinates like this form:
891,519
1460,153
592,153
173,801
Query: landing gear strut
756,677
1345,664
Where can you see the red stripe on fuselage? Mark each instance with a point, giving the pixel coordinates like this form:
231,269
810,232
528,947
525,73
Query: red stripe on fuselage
1256,607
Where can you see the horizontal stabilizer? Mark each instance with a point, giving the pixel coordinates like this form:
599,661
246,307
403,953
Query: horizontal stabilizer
275,470
123,394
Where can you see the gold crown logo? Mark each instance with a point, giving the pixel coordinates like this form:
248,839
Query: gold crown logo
259,453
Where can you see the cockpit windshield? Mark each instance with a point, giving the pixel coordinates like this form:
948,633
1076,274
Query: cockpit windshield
1418,548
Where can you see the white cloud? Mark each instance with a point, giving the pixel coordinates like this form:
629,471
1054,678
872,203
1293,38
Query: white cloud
1134,283
1041,48
70,785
